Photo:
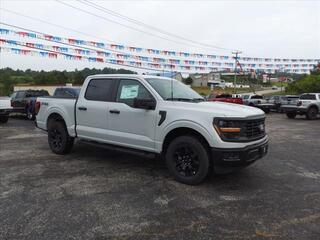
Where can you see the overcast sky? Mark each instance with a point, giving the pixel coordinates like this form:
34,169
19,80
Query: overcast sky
284,29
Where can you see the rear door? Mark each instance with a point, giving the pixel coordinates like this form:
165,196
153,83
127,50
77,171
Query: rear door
92,109
129,126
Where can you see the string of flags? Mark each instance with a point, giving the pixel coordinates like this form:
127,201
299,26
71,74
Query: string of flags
119,47
170,63
113,54
137,64
110,54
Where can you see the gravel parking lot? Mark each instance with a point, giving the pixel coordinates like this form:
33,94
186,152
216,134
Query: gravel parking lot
99,194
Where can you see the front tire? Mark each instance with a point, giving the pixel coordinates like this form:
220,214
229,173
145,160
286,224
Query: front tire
58,138
312,113
4,119
291,115
188,160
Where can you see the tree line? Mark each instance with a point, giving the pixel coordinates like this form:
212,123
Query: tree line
10,77
307,83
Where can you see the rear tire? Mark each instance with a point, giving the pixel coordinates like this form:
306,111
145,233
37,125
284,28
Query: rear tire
58,138
4,119
312,113
291,115
188,160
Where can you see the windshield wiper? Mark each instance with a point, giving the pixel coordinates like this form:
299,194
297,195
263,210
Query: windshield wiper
186,99
179,99
198,99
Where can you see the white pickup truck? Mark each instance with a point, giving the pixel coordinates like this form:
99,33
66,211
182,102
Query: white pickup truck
5,109
308,105
157,115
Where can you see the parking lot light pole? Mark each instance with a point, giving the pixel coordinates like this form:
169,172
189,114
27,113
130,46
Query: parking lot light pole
235,69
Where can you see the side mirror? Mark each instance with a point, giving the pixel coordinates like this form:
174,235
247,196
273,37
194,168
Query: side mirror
144,103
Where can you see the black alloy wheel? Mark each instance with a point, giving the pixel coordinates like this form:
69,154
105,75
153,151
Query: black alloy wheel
312,113
58,138
55,139
188,159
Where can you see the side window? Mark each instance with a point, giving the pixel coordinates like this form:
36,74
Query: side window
13,95
99,90
130,89
20,95
57,93
308,97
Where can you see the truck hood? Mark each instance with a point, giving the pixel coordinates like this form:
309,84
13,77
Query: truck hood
218,109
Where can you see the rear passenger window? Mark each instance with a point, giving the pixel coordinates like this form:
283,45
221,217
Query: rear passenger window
308,97
99,90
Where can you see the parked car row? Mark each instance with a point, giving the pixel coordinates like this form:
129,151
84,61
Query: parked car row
24,101
307,104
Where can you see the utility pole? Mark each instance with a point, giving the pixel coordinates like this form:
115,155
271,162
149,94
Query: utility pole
235,69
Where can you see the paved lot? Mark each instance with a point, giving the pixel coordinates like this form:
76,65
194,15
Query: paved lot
99,194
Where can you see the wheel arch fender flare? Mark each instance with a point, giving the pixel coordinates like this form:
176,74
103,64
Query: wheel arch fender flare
185,127
63,115
313,106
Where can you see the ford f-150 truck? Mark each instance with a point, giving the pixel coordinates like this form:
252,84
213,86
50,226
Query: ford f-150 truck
157,115
308,105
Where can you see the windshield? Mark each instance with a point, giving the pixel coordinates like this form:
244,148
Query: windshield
179,92
245,96
75,91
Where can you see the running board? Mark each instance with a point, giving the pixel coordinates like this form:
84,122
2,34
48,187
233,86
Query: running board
119,148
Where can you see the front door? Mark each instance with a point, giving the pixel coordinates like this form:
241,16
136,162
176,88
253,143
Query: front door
129,126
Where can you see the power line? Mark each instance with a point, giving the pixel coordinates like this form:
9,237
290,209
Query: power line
69,44
123,25
116,14
56,25
59,26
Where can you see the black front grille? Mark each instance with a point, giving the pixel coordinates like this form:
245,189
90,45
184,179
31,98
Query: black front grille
254,128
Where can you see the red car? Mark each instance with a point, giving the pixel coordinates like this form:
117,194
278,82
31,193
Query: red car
225,97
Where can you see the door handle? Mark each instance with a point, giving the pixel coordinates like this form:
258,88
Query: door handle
82,108
115,111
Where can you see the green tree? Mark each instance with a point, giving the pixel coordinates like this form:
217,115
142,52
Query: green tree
188,80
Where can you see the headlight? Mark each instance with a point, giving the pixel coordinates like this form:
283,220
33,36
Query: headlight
239,130
230,129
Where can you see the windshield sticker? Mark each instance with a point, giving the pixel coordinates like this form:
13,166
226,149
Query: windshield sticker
129,91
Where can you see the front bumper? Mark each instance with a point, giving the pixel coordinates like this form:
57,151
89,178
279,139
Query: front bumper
231,159
5,112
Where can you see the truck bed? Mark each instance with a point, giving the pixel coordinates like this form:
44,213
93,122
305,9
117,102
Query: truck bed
63,106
